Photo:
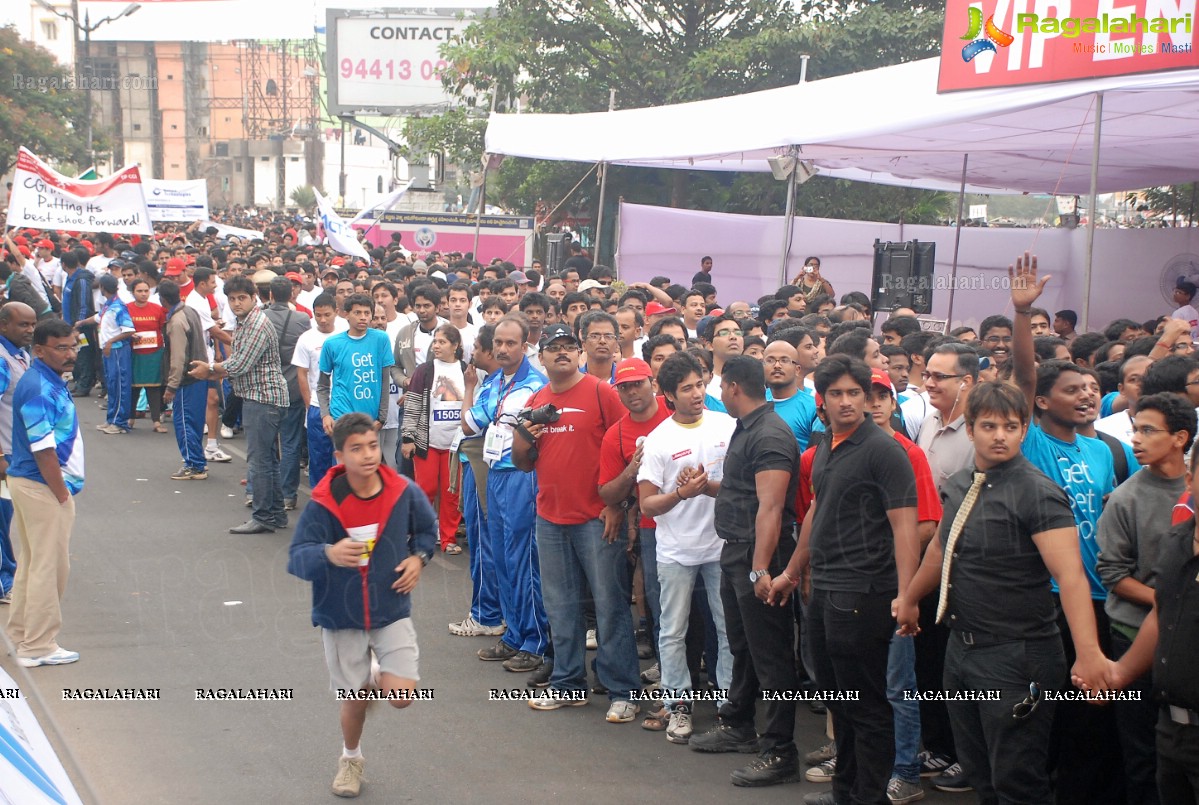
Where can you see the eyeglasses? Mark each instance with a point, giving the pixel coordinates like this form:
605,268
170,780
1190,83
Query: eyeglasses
937,376
784,361
726,333
998,339
1025,708
65,348
1146,430
555,349
601,336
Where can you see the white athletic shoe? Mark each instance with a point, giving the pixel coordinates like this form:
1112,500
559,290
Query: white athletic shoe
469,627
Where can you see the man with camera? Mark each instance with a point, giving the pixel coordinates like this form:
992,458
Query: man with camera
560,438
510,496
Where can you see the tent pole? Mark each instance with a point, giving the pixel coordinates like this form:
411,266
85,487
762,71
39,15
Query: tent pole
599,220
957,240
1086,299
479,211
788,223
603,177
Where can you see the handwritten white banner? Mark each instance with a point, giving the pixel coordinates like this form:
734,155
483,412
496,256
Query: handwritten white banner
44,199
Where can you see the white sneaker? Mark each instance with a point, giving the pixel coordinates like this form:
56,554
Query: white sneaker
218,455
469,627
678,729
622,712
226,432
592,641
59,656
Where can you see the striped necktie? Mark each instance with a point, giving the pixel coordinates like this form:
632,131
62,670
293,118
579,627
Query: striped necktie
955,531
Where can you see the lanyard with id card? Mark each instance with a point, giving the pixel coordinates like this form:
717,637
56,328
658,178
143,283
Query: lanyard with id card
493,440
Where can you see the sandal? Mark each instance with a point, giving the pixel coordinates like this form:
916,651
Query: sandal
453,549
656,720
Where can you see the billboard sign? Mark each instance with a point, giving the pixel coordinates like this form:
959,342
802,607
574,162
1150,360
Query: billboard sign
389,63
1000,43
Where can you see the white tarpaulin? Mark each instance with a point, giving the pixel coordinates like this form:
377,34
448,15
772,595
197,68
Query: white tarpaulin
30,772
177,200
45,199
226,231
890,126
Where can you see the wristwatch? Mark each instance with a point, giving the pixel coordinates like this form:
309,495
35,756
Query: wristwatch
425,558
754,575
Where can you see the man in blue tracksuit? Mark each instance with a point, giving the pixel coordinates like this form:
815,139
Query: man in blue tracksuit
510,493
17,321
116,332
362,541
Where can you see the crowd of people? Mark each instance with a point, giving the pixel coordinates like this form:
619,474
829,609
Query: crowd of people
934,538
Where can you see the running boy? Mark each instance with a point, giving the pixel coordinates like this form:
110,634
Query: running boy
362,542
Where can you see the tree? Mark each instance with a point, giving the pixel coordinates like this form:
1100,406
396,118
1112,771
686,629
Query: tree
564,56
39,109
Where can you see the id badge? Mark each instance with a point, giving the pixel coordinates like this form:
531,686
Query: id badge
457,441
493,446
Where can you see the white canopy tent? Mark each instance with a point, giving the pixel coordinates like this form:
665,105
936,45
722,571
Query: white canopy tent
889,126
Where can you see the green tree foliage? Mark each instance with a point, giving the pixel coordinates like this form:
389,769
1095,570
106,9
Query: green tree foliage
35,109
563,56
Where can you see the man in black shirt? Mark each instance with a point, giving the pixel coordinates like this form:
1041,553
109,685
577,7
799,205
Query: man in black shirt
755,515
1006,530
1169,640
860,538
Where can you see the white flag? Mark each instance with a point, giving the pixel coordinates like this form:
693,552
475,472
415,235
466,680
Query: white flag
382,206
342,237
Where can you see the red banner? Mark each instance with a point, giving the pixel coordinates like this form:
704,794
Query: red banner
1000,43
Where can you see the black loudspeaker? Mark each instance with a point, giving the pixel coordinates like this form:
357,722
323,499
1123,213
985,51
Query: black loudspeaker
557,249
903,276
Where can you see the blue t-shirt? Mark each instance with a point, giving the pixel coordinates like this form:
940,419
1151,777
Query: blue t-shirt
798,411
355,367
44,417
1084,468
1105,404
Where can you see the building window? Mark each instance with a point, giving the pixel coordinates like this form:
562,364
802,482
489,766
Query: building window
202,131
137,126
49,30
237,167
379,185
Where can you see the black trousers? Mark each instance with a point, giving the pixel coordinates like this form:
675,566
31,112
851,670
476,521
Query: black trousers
1084,748
1002,756
1177,762
851,637
760,640
931,643
1137,723
85,373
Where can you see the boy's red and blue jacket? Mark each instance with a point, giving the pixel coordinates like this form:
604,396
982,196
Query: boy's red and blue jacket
352,597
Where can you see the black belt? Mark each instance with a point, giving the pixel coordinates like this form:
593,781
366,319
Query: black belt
1181,715
982,638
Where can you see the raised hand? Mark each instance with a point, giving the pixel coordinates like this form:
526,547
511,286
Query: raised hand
1026,288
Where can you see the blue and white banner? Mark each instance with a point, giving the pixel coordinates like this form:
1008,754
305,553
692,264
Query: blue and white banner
30,771
185,200
377,209
341,236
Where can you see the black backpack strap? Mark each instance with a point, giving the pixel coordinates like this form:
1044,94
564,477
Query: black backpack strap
1119,460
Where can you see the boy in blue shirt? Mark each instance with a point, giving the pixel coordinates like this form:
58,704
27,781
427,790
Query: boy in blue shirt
116,330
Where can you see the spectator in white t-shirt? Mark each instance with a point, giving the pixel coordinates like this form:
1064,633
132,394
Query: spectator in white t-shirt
1184,295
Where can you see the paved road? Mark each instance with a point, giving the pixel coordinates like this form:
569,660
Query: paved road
161,596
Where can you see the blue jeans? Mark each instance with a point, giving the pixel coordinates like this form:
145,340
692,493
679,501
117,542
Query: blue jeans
901,677
649,573
511,496
118,376
188,412
291,434
8,559
320,447
485,594
568,554
677,582
262,423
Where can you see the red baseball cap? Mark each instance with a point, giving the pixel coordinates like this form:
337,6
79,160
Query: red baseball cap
174,267
655,308
45,244
20,240
87,244
632,370
880,378
294,277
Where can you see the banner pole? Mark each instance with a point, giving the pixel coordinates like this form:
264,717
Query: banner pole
1086,298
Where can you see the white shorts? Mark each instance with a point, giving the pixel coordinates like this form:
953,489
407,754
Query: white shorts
348,654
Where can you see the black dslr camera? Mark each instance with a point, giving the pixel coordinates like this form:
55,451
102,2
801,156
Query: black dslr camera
544,415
